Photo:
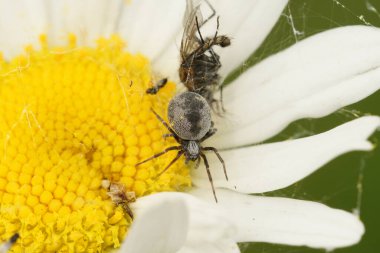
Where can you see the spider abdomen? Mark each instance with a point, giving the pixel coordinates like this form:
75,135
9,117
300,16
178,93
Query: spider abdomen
189,115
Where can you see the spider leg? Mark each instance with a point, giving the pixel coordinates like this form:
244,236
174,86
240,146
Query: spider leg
166,125
209,175
221,98
210,133
198,163
159,154
217,107
220,159
179,154
167,135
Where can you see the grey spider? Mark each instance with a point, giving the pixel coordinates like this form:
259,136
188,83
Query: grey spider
190,121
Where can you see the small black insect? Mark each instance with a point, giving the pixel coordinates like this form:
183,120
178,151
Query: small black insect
7,245
199,63
160,84
190,124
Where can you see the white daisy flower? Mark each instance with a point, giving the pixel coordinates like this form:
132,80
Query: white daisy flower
73,113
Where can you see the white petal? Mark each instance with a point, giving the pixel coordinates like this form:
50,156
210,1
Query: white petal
161,225
87,19
313,78
287,221
274,166
247,22
21,23
208,229
150,25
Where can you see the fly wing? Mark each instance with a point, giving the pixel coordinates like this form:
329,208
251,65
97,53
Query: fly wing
190,41
191,5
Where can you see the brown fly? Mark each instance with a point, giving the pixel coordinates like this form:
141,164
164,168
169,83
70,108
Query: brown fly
119,196
199,62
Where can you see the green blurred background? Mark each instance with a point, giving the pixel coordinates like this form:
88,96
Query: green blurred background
350,182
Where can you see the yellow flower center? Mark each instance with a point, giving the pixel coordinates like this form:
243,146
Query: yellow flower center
69,118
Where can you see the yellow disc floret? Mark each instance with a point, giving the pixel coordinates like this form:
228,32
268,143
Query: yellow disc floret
69,118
